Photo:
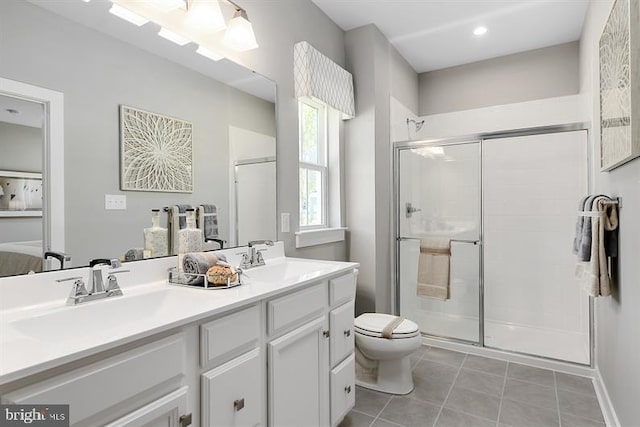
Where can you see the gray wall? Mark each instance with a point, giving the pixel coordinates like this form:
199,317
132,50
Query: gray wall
618,316
96,73
379,72
278,26
526,76
20,148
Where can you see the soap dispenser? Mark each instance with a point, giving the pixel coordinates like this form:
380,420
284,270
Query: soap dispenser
156,238
190,239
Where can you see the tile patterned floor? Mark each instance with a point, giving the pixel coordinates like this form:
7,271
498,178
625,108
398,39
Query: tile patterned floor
462,390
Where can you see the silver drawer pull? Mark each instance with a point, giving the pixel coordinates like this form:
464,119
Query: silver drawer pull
347,389
347,333
238,404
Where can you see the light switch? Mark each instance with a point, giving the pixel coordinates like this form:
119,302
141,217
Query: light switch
285,219
115,202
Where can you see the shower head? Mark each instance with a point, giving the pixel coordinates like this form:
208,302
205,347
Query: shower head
417,123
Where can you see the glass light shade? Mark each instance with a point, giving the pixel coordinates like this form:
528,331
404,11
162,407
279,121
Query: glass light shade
206,15
171,36
209,53
127,15
239,35
168,5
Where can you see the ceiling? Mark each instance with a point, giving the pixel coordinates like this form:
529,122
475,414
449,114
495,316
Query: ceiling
95,14
25,113
436,34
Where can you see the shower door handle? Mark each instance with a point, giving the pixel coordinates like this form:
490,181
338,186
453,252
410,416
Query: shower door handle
410,210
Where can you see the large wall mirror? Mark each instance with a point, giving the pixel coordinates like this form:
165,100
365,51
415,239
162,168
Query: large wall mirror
100,66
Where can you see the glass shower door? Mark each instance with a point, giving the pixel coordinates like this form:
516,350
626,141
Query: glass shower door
438,188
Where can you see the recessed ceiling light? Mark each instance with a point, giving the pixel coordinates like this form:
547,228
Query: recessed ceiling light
479,31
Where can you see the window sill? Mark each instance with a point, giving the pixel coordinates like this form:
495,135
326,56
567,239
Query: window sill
320,236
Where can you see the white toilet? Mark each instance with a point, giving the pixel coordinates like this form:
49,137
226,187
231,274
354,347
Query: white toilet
382,364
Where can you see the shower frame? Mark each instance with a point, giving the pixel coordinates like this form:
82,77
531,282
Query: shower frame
479,138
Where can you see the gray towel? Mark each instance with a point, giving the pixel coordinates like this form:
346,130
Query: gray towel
198,262
177,220
579,224
134,254
208,220
584,237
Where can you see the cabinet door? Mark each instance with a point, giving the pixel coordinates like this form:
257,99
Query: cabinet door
231,393
343,389
299,376
341,325
164,412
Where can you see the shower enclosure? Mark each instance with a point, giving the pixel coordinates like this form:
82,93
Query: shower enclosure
507,201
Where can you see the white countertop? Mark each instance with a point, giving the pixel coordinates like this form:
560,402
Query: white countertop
37,337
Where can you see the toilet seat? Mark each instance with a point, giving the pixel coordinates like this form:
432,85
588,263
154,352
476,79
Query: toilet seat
372,324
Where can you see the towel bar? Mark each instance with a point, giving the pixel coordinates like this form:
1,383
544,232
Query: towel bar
472,242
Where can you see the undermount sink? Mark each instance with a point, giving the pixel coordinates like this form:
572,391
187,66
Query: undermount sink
286,270
98,317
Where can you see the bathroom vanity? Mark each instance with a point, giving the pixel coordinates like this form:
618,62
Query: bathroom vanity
276,351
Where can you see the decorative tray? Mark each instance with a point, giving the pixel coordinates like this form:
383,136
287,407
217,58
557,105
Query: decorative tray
193,280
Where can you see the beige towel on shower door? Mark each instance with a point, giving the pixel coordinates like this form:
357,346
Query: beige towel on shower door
433,268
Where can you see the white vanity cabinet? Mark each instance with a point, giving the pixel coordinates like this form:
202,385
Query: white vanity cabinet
278,360
311,368
168,411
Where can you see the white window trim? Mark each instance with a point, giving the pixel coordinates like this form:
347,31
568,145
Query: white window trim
306,238
332,231
323,156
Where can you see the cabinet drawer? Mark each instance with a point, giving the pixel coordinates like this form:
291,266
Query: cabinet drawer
229,336
343,389
165,411
231,394
115,380
288,311
341,327
343,288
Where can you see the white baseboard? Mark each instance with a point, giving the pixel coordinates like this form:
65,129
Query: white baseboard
609,414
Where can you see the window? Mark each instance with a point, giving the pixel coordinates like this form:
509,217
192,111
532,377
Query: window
313,165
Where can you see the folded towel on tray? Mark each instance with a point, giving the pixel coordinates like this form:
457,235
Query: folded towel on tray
134,254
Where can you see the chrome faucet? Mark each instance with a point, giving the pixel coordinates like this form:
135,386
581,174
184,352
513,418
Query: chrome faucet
79,292
253,257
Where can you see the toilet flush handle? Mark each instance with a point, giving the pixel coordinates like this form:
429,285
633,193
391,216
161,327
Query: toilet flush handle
347,333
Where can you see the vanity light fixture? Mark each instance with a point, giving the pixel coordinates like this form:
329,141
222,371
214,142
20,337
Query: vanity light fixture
171,36
168,5
209,53
205,15
480,31
239,35
127,15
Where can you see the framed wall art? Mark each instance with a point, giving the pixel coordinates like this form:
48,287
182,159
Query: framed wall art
156,152
620,85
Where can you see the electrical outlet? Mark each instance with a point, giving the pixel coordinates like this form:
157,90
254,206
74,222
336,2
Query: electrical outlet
285,219
115,202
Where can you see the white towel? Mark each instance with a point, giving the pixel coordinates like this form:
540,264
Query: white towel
594,274
433,268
